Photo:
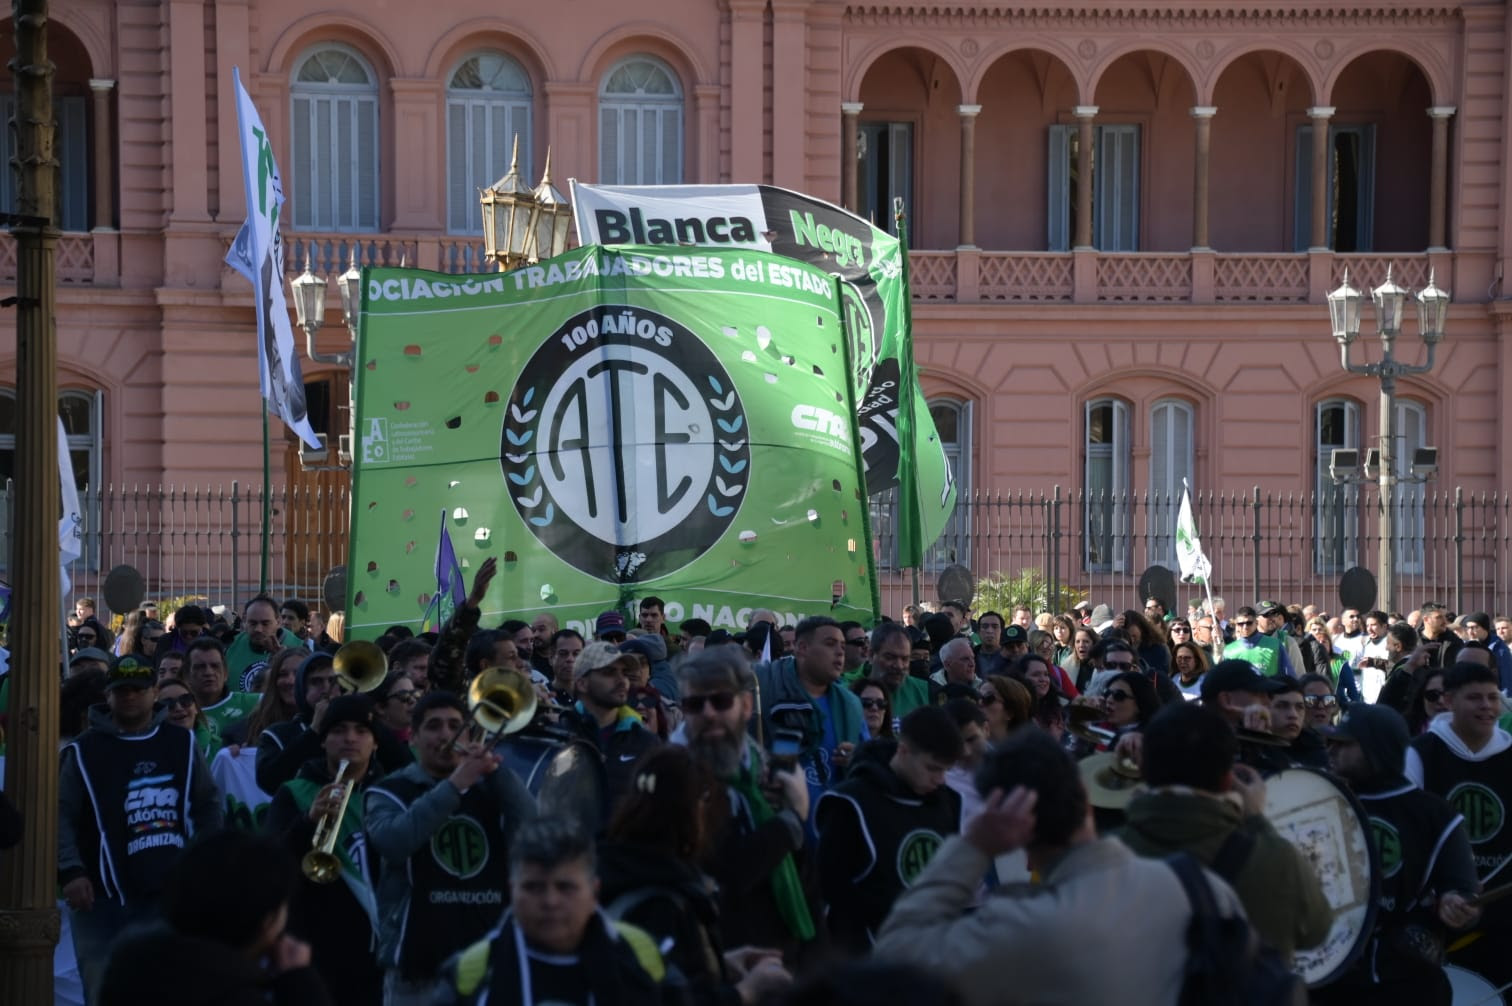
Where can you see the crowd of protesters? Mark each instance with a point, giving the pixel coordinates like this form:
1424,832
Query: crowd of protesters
701,815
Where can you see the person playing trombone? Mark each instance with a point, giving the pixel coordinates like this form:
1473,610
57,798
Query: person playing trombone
441,828
316,816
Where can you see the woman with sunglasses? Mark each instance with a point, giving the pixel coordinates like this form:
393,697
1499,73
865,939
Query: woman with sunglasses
876,707
1130,700
648,705
1178,631
1008,705
395,700
1428,699
1189,663
184,712
1319,698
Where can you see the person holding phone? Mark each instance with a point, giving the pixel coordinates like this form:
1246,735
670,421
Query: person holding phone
758,856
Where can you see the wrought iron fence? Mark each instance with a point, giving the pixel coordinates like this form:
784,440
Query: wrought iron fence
1454,547
204,542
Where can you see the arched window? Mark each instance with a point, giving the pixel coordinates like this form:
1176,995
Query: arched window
1171,454
1106,485
80,411
333,183
952,421
487,105
1336,519
640,124
1412,433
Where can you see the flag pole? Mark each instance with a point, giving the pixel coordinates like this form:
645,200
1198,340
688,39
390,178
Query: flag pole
267,504
1207,581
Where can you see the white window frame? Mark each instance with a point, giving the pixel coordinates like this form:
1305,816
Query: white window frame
899,142
316,190
481,124
1336,513
1170,419
623,113
1411,433
1105,523
1364,197
1115,201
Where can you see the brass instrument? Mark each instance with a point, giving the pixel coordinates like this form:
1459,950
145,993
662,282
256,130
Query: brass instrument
500,701
321,864
360,666
1080,723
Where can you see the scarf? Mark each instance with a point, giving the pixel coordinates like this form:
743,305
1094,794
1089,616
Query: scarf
787,889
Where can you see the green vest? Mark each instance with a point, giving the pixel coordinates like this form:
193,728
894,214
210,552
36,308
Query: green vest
1264,656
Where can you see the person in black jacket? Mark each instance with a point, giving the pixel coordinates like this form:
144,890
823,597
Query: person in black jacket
284,748
881,826
649,877
338,917
222,936
600,676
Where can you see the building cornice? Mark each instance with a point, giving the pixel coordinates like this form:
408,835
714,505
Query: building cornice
1194,15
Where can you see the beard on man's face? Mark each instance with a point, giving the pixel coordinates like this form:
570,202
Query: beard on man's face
720,750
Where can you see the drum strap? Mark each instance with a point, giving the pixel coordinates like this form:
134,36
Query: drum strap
1233,854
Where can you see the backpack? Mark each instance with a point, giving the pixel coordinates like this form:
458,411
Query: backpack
1226,963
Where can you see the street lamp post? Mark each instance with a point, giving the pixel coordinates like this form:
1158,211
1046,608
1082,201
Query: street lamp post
1390,299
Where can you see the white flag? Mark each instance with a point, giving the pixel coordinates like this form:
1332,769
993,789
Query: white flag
257,253
1195,567
71,525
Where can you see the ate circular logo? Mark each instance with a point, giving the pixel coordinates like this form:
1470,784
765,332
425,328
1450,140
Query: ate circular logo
1483,810
915,851
460,847
625,448
1388,844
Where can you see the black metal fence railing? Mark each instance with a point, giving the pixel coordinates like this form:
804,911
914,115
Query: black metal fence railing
203,542
1453,547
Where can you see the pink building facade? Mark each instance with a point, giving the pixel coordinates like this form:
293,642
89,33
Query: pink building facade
1127,215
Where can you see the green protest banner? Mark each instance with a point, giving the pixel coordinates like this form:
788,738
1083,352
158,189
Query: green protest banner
610,424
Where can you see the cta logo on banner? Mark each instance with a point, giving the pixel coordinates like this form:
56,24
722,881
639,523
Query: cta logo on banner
611,424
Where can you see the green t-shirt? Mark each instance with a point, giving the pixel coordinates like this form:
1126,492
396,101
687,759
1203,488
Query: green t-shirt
236,706
240,655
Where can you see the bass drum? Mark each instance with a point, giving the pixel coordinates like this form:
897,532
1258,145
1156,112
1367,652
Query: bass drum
1324,820
564,774
1470,989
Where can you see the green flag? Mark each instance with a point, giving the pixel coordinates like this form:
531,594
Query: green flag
610,424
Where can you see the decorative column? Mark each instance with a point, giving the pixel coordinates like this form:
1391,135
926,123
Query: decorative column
747,87
1438,184
850,135
968,115
189,151
104,185
1319,114
789,82
1084,116
1203,115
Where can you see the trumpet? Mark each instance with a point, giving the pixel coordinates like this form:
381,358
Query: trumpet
321,863
360,666
500,701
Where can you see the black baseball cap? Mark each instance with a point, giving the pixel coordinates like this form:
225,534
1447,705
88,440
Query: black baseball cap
130,671
1237,676
1014,634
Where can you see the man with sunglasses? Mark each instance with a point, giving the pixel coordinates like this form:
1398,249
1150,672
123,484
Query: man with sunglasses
1320,701
131,790
1261,651
757,854
857,649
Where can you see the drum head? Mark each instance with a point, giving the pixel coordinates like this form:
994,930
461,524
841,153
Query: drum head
1325,822
1470,989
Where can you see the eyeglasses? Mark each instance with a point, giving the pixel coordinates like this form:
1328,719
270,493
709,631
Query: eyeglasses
858,641
1205,625
1433,694
991,698
184,701
1119,665
1320,701
873,703
1244,621
1184,630
1118,695
408,698
721,701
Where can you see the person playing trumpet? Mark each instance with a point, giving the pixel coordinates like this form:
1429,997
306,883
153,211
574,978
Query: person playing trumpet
338,915
441,828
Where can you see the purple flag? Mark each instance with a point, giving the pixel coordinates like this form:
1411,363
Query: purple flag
449,583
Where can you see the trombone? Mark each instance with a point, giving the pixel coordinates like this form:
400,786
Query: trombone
321,863
500,701
360,666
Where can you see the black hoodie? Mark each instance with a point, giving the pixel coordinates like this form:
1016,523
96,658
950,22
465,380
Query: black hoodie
168,968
